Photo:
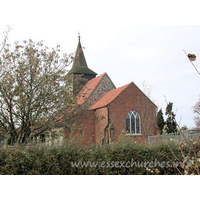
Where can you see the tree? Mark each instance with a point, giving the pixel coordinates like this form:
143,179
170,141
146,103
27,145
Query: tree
33,94
147,110
196,110
170,121
3,43
160,120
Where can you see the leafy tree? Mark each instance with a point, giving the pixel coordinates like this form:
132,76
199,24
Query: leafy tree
170,121
160,120
196,110
33,90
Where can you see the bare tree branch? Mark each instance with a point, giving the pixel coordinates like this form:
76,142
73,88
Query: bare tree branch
192,63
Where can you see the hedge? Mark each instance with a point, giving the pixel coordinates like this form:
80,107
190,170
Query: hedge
121,158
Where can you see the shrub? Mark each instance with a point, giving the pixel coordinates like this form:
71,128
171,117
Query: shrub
123,157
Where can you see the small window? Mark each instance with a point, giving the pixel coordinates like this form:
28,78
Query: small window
133,123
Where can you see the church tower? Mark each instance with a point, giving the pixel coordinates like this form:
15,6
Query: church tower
80,71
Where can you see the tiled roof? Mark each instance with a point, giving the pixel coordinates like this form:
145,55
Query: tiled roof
108,97
87,90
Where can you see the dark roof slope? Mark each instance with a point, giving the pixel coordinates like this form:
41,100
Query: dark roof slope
80,66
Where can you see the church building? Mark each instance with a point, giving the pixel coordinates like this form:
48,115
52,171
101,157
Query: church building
109,112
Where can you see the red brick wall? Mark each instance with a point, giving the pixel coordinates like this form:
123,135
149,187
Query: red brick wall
85,128
95,122
132,98
101,123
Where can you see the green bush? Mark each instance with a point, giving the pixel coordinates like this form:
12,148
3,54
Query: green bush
119,158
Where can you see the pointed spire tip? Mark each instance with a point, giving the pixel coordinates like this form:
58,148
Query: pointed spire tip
79,37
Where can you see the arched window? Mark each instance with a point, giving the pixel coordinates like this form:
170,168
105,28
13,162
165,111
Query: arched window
133,123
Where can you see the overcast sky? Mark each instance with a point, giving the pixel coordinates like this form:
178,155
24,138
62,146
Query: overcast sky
131,41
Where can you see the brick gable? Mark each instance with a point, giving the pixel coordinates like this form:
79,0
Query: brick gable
95,89
108,97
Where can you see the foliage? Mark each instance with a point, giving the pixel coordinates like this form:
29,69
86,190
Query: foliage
3,43
33,94
192,57
191,156
160,120
122,157
170,121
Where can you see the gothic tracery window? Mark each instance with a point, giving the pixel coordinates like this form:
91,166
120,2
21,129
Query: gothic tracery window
133,123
